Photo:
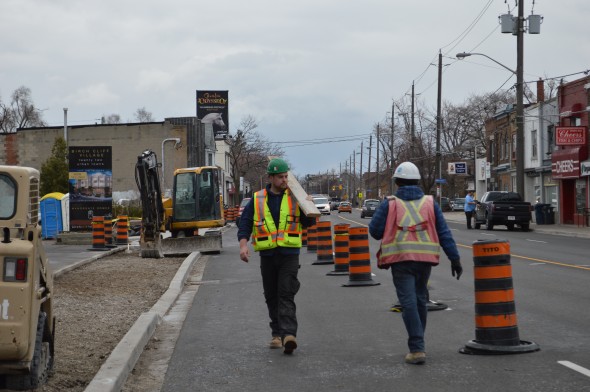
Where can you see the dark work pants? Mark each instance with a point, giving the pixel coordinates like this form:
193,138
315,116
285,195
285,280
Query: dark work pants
468,215
280,284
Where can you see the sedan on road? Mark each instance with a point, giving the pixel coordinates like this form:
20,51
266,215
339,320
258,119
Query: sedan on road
458,204
345,207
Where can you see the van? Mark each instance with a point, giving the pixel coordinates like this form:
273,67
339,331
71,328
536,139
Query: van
322,204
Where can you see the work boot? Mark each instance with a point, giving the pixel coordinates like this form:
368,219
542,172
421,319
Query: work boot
290,344
276,342
416,358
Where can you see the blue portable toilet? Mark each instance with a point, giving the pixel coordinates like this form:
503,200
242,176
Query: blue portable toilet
51,215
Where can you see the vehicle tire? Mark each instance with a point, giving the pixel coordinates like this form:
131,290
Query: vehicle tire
477,226
524,227
489,224
510,227
40,365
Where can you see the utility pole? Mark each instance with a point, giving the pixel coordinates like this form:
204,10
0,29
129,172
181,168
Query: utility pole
519,100
439,126
412,126
361,173
370,149
378,179
392,167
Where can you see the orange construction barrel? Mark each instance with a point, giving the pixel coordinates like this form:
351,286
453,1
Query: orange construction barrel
312,239
122,237
324,239
496,329
98,241
359,267
341,255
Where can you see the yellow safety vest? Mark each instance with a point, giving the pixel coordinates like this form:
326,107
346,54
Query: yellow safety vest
265,234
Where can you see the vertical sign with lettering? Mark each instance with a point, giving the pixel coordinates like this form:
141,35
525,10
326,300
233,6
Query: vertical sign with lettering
90,185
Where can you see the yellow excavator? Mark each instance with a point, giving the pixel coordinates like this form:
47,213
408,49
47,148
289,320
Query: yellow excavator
192,218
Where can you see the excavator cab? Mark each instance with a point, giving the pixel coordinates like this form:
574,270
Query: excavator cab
196,201
27,323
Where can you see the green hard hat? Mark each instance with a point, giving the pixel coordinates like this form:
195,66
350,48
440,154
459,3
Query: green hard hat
276,166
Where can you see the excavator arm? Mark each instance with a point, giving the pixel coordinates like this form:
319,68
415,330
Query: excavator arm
153,220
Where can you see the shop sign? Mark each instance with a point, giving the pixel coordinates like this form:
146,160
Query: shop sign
585,168
565,163
570,136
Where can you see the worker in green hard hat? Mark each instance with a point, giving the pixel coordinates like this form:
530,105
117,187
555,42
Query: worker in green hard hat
275,222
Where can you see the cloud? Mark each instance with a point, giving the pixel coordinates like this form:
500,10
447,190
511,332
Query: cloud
97,94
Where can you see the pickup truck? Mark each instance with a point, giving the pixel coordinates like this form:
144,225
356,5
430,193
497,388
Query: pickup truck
503,208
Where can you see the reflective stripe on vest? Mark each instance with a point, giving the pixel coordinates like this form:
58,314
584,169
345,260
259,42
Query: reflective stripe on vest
265,234
410,232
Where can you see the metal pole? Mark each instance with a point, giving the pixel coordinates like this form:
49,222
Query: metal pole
391,168
439,126
412,127
66,129
369,164
377,164
519,102
361,174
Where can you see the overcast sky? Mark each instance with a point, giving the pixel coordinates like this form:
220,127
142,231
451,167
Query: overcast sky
306,70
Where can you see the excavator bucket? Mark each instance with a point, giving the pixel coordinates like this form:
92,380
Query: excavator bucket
208,243
151,249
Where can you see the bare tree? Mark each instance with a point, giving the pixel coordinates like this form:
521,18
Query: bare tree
143,116
20,113
249,152
111,119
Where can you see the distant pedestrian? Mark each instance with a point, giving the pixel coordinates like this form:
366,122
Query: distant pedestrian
469,208
412,228
275,221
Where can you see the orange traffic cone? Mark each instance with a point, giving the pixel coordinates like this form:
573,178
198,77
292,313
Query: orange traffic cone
359,268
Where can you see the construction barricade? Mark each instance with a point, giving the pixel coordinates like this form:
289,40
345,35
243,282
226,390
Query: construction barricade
325,251
304,237
341,255
496,329
312,239
122,236
98,241
359,267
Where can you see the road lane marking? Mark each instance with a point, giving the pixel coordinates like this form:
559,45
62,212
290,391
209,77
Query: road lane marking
543,242
537,264
575,367
583,267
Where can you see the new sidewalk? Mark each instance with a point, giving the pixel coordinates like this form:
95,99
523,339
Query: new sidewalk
555,229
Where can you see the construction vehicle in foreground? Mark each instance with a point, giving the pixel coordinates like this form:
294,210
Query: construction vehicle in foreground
27,323
193,215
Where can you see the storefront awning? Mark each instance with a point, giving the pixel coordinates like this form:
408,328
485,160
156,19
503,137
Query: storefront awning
566,163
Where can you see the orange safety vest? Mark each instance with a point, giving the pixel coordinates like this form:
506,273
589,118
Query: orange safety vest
265,234
410,233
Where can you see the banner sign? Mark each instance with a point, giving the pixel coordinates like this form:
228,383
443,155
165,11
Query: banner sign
212,108
90,185
457,168
570,136
584,168
565,163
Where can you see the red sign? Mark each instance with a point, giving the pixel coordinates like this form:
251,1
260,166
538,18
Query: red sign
566,163
570,136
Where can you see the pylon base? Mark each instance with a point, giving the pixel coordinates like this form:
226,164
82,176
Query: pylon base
337,273
475,348
353,283
322,262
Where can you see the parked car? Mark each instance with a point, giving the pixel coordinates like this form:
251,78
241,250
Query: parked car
369,207
503,208
322,204
345,206
458,204
445,204
245,201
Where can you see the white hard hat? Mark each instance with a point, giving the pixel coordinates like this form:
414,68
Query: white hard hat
408,171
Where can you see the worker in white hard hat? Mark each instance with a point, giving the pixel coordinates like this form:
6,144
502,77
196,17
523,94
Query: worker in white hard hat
412,229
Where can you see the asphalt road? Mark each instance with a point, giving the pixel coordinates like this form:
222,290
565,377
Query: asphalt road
349,340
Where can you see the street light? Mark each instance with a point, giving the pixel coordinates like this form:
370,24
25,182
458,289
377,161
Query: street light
177,145
519,111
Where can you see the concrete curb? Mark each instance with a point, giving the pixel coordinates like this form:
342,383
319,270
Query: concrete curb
114,372
99,255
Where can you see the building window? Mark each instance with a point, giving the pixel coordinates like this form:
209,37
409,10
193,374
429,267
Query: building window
514,146
534,143
550,139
